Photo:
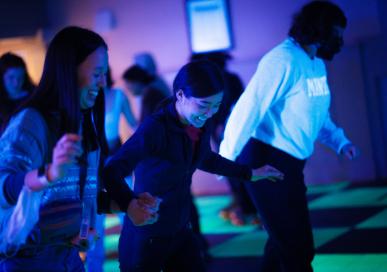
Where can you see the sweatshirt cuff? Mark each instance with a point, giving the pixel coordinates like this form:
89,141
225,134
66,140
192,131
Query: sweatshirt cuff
342,144
123,199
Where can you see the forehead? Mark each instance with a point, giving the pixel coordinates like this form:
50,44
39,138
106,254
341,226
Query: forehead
14,71
96,60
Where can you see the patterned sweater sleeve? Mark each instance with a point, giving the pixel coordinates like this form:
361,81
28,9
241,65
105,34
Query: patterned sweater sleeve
23,147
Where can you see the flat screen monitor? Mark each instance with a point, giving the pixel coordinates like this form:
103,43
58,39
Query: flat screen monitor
209,25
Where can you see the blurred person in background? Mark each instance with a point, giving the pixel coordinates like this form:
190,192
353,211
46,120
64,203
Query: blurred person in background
15,85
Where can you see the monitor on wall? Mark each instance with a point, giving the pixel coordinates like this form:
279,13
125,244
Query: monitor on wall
209,25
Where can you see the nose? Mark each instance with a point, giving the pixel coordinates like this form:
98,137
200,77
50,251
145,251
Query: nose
16,82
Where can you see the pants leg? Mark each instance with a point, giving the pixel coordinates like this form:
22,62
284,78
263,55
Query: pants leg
138,252
282,206
195,223
185,255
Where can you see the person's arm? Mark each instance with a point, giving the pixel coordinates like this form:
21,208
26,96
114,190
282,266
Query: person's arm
127,110
216,164
332,136
144,142
268,85
23,146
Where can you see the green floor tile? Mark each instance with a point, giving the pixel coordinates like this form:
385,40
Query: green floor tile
360,197
111,243
379,220
112,221
323,236
252,243
350,263
245,245
111,266
327,188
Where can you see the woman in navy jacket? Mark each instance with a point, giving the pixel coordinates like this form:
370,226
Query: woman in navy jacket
164,153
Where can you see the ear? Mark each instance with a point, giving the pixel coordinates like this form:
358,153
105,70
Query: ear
179,95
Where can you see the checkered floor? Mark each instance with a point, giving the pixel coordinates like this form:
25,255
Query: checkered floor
349,224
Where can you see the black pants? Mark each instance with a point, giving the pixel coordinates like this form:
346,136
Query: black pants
282,206
174,253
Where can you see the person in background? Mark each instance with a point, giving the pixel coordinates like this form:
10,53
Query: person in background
164,152
147,62
278,118
15,85
139,83
51,153
116,103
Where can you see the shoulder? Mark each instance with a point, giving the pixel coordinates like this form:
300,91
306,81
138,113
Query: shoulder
27,134
287,52
28,119
118,94
153,124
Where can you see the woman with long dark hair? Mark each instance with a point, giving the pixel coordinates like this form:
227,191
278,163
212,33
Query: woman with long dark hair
50,156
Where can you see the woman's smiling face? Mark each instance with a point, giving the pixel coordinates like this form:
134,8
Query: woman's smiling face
196,111
92,77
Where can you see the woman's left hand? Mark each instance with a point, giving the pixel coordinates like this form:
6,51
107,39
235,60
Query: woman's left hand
350,151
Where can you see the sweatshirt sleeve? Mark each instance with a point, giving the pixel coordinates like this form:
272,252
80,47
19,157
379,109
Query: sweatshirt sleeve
267,86
216,164
23,147
332,136
142,144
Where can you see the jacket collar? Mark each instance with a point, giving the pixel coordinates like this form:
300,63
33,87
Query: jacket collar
174,122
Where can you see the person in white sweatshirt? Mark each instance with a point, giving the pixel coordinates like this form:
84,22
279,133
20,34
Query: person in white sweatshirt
282,112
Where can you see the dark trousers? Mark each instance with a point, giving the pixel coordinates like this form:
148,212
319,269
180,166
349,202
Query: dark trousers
173,253
44,259
282,207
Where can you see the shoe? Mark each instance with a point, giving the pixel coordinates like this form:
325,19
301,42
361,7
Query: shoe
237,218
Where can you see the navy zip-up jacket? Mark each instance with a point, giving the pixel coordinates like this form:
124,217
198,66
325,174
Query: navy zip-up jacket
161,154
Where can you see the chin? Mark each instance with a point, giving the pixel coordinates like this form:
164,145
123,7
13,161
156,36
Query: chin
197,125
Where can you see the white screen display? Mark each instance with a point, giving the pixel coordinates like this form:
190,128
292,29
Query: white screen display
209,25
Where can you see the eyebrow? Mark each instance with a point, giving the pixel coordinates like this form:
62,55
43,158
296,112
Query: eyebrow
204,102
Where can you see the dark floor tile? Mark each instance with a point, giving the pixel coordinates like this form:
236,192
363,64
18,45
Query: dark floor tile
341,217
358,241
234,264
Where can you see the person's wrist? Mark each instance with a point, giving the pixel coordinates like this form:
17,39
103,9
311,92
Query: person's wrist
44,175
49,174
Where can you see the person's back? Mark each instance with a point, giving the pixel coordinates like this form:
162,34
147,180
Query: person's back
139,83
